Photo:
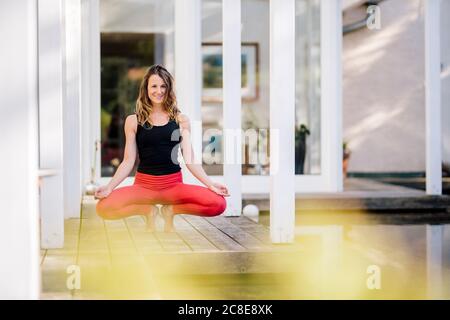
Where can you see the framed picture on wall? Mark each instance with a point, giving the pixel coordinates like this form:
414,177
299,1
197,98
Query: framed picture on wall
212,64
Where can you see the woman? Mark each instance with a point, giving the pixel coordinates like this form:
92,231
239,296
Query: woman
153,133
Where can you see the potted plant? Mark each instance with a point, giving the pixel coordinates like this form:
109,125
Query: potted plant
346,158
300,147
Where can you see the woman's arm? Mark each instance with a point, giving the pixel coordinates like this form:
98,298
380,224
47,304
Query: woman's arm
128,161
188,156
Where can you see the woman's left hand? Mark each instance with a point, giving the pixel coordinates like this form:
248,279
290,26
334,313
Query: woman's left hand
219,188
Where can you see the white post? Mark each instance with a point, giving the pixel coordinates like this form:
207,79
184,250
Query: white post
188,71
445,81
90,86
19,228
433,97
282,120
51,96
331,88
232,167
72,110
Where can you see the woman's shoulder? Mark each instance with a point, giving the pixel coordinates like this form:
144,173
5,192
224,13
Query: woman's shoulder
131,121
131,118
182,118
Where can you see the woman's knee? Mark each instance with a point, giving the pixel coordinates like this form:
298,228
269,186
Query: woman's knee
103,208
220,204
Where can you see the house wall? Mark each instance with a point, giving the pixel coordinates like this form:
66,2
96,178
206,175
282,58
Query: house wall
383,91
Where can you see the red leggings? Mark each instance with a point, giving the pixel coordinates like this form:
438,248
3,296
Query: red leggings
165,189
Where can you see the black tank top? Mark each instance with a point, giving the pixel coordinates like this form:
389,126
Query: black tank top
158,148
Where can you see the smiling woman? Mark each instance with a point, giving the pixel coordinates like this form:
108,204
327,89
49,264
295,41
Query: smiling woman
156,133
158,90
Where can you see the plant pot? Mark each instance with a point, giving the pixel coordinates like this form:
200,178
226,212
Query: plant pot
345,162
300,153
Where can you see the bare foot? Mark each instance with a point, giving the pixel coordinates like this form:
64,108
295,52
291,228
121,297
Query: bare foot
167,213
150,219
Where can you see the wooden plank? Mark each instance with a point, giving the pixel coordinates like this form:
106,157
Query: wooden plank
119,239
219,239
225,262
181,224
255,229
94,257
88,208
239,235
197,241
122,272
54,272
72,226
95,273
170,241
145,241
56,261
131,278
93,237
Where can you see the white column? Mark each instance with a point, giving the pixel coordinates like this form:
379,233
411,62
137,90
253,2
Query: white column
331,88
19,228
72,110
445,81
282,120
188,73
433,97
232,167
51,96
90,86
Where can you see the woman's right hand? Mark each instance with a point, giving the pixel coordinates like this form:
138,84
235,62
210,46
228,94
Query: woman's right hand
102,192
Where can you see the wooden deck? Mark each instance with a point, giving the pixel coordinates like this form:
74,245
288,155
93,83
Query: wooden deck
119,259
120,255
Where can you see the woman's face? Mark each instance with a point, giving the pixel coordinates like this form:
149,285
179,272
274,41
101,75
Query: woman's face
156,89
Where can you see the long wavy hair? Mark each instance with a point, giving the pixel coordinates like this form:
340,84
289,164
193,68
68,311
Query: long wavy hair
144,105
